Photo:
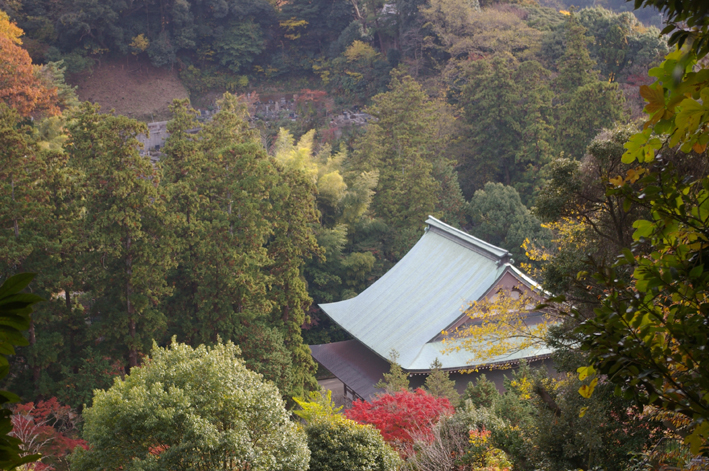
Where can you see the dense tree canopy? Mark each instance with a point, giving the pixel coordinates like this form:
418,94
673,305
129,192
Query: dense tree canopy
499,217
139,252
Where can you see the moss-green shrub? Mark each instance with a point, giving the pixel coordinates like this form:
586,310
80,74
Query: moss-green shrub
337,444
191,408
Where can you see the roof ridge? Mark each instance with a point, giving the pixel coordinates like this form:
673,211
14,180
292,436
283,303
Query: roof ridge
497,252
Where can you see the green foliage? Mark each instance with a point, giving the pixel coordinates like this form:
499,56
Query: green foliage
19,206
129,251
239,44
56,75
483,393
508,142
317,406
543,423
85,375
245,221
408,139
75,61
325,22
621,45
576,191
41,213
573,432
75,30
500,218
576,68
226,220
439,384
396,379
202,80
676,107
129,223
460,30
191,408
338,444
651,321
677,12
15,310
591,107
359,73
657,361
587,104
265,352
342,271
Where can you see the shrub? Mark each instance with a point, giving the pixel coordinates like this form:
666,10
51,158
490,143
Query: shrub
401,415
483,393
338,444
462,442
212,78
318,407
191,408
49,428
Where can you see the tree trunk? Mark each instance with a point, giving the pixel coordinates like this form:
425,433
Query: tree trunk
35,368
16,226
379,37
132,351
286,308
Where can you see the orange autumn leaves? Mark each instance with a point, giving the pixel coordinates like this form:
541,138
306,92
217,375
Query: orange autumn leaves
21,85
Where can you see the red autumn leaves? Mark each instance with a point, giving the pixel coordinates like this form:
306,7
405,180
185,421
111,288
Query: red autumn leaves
401,416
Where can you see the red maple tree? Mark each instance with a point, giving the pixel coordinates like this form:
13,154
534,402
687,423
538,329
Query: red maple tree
399,415
46,427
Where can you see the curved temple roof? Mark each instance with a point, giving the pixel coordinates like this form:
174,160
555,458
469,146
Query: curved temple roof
423,294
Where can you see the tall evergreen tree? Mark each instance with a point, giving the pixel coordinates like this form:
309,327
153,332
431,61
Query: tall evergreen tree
292,243
245,221
508,109
129,230
537,144
499,217
58,329
20,199
439,384
397,379
576,68
219,182
587,104
490,102
230,217
404,144
183,162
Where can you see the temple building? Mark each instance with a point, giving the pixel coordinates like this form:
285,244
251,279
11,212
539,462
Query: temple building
406,310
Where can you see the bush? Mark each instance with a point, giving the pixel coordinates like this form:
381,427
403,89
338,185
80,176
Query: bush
338,444
483,393
191,408
49,428
212,78
402,415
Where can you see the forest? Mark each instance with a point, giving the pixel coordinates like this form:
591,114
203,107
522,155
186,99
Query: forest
174,294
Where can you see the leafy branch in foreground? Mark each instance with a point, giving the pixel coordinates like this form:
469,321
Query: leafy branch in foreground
15,309
649,334
687,20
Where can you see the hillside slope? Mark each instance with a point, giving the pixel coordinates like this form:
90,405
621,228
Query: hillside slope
135,88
